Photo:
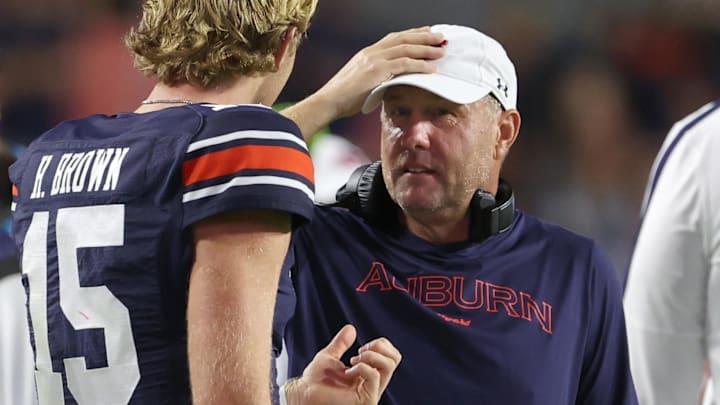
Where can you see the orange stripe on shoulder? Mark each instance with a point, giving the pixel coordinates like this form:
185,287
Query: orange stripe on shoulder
228,161
14,190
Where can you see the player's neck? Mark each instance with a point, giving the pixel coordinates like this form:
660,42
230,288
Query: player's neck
243,91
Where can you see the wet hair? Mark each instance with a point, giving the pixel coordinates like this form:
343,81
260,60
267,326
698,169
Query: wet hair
209,42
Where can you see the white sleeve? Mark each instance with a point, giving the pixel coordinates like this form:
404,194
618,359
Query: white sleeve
711,175
17,378
670,282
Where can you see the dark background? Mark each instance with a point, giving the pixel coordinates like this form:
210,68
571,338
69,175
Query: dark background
600,83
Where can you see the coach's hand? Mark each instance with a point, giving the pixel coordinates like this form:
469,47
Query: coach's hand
327,380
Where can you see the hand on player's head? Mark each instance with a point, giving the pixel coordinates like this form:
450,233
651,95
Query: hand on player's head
397,53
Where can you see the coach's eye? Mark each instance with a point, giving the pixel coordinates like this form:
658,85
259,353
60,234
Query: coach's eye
399,111
441,112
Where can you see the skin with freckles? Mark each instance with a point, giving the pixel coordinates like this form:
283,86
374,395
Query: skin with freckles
436,153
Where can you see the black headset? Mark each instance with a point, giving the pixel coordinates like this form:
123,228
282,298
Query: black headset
366,195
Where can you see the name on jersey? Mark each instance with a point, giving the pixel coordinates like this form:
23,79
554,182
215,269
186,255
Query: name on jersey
458,291
94,170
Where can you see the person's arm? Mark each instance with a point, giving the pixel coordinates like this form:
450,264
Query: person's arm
670,303
665,304
233,287
17,376
397,53
326,380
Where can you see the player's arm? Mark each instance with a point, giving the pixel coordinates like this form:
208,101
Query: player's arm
397,53
233,287
328,381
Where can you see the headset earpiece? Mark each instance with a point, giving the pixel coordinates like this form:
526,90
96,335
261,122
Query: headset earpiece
489,215
365,194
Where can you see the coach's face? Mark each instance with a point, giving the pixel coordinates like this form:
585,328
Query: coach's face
436,153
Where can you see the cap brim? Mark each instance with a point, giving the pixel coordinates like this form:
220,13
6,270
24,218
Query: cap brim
455,90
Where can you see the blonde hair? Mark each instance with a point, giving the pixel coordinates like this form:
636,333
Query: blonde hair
208,42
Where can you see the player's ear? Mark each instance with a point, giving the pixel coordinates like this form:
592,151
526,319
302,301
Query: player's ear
285,45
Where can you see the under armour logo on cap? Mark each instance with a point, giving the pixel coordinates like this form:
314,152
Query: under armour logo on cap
502,87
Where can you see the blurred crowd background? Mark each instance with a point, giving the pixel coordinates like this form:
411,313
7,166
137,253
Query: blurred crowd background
600,83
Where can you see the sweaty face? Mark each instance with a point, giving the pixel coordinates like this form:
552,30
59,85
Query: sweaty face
436,153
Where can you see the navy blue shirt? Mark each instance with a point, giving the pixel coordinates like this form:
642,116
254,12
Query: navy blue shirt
529,316
104,208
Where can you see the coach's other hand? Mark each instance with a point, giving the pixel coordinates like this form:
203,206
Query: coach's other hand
327,380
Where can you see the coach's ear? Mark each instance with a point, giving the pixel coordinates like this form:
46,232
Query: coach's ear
508,129
285,41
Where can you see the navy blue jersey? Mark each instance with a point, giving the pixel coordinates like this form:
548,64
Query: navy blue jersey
529,316
103,210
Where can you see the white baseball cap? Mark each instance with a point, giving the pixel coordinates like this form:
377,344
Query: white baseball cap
474,65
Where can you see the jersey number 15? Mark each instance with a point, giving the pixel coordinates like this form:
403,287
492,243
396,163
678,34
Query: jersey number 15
84,307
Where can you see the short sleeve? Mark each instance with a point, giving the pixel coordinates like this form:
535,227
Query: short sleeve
246,157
